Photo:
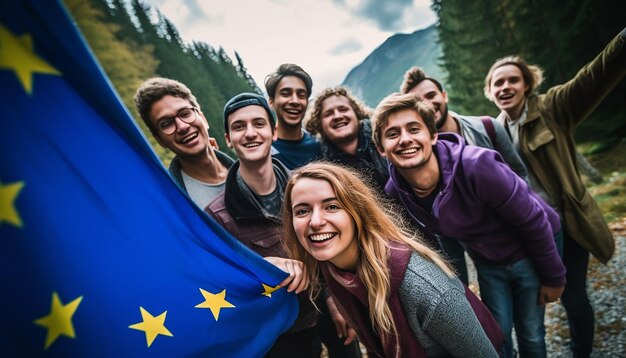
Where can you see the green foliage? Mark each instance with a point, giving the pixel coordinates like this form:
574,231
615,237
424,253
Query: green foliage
132,48
558,36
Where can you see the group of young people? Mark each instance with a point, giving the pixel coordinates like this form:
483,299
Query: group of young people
371,212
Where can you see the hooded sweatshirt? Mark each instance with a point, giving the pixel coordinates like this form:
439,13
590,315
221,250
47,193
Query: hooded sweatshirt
487,207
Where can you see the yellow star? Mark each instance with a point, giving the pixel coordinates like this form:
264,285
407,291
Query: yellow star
16,54
59,321
268,290
152,326
8,194
215,302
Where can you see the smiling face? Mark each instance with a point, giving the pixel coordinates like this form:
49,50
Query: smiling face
323,227
339,121
430,93
250,134
188,140
290,101
507,88
406,141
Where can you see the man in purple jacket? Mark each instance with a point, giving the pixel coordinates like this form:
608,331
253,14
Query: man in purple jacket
470,194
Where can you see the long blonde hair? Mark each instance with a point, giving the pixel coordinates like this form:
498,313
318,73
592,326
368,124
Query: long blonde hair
374,227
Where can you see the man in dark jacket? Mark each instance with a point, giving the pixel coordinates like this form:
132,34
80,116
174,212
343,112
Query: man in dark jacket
342,121
250,207
469,193
175,119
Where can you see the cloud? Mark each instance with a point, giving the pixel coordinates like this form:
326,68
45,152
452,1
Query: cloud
345,47
388,15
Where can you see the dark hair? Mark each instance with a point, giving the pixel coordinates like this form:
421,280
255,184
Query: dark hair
284,70
154,89
396,102
413,77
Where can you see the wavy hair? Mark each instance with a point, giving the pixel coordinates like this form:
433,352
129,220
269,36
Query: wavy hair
375,227
533,75
313,118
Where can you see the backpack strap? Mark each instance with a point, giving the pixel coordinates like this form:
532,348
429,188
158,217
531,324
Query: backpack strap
490,128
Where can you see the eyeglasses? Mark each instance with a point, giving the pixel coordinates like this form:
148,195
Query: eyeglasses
167,125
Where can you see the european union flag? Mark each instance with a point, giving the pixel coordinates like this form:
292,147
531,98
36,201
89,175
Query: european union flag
100,253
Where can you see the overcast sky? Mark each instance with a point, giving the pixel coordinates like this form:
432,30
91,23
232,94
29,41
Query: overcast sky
326,37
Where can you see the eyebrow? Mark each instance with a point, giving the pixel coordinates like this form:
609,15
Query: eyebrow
404,125
172,116
323,201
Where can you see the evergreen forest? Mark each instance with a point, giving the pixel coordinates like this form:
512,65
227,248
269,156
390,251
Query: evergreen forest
134,42
559,36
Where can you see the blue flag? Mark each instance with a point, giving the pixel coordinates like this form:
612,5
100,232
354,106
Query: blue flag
100,253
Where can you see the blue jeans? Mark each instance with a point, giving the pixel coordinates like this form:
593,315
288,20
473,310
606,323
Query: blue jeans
511,292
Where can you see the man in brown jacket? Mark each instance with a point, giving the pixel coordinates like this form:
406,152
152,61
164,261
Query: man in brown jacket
541,127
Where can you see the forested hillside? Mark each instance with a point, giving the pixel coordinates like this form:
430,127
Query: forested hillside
131,48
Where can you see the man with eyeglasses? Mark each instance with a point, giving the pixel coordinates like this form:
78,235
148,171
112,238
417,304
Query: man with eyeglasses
174,118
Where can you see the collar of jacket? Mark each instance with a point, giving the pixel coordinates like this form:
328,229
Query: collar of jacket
241,203
532,104
533,113
448,151
329,150
175,169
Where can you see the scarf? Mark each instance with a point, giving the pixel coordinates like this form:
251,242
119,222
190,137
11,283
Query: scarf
351,297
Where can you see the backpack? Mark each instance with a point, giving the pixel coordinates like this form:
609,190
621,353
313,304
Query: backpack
490,128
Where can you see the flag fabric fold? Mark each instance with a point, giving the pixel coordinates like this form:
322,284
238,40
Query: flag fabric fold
100,252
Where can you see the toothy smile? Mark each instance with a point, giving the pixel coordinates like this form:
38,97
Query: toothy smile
252,145
322,237
408,151
189,138
293,111
339,124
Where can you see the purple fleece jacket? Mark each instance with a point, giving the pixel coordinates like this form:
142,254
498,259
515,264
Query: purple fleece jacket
487,207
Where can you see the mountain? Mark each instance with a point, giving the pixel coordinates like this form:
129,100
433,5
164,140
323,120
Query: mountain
382,71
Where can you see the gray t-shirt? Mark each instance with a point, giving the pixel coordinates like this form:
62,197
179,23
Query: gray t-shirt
200,192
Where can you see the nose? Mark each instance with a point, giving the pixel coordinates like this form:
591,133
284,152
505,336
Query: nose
250,131
405,137
317,219
181,126
293,98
